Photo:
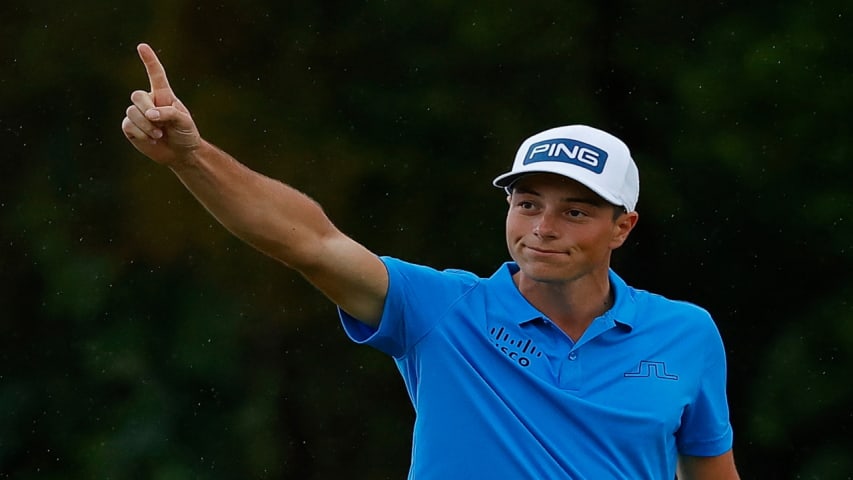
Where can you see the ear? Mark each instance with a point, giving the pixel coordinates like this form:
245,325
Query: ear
622,227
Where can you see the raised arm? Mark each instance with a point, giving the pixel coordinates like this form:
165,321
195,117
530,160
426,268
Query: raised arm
267,214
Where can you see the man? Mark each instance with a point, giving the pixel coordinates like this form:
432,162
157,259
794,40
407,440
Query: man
551,368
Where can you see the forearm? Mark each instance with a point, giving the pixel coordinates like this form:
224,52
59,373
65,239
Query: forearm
721,467
265,213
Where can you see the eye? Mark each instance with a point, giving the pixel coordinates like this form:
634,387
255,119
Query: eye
526,207
574,213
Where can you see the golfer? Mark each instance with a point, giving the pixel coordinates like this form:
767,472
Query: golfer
552,368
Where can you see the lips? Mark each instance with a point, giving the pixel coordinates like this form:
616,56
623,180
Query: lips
544,251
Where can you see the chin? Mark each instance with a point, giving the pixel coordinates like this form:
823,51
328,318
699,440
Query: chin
544,273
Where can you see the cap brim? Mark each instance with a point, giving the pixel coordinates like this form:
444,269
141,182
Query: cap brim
507,179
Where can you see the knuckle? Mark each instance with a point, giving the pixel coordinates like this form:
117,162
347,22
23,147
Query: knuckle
128,128
140,96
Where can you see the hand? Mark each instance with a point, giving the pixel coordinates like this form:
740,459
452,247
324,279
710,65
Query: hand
158,124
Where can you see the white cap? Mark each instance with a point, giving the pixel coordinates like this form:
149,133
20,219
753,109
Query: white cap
588,155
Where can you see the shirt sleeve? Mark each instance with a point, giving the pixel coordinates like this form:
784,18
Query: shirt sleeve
706,429
417,298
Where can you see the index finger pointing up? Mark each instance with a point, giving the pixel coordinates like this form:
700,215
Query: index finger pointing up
160,88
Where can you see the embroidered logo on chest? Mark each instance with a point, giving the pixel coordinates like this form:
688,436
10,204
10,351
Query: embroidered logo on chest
519,350
649,368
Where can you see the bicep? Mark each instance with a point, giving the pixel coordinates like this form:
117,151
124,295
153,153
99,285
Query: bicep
720,467
350,275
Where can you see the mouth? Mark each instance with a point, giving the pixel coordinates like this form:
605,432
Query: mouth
543,251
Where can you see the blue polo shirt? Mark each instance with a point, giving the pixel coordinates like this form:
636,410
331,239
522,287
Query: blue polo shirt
500,392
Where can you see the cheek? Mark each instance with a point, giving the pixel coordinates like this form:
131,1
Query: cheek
510,223
515,227
509,232
605,240
510,238
513,235
590,239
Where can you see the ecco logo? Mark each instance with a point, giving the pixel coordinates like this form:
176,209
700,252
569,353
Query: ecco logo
520,351
567,150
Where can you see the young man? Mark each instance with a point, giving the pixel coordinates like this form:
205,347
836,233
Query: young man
551,368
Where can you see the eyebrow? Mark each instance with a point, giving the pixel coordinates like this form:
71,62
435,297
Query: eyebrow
594,201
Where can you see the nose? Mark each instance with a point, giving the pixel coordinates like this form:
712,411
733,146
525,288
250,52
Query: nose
544,227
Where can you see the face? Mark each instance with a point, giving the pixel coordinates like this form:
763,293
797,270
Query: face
559,231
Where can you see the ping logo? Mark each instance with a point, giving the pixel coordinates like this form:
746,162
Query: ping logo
567,150
648,368
521,351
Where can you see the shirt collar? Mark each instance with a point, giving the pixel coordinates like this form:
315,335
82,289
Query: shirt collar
622,313
624,309
509,298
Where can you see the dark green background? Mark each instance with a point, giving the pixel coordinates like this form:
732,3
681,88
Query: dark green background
139,340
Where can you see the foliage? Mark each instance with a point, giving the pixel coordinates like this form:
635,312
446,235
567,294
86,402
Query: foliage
139,340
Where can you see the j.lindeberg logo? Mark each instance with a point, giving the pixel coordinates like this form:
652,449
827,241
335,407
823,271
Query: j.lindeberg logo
521,350
647,368
567,150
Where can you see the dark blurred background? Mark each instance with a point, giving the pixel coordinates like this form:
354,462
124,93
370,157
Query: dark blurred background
138,339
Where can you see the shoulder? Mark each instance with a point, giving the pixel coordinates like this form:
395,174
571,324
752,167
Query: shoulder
668,306
655,309
413,272
426,288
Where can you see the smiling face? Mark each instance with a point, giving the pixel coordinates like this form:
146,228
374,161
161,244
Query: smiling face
559,231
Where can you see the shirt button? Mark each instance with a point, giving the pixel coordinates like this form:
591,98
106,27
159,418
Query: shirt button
573,356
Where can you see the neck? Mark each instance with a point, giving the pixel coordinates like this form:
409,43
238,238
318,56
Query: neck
572,306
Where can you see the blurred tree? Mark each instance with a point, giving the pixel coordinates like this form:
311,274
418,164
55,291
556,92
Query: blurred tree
140,340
